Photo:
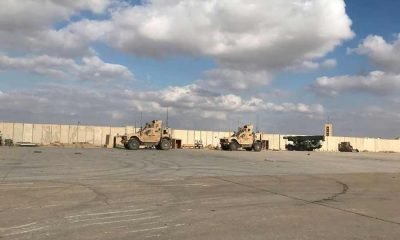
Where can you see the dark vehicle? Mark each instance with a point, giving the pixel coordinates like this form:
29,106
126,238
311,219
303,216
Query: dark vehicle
304,143
346,147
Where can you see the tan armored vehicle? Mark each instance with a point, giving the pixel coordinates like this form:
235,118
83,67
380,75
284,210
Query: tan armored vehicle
152,135
244,138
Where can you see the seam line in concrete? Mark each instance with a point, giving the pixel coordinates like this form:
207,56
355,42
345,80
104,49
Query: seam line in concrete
311,202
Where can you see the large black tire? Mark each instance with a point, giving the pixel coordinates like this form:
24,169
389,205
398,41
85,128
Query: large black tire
249,149
224,148
257,147
126,146
233,146
133,144
165,144
290,147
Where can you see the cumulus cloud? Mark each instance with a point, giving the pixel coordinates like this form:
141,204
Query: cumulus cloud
61,104
194,97
367,120
377,83
306,66
329,63
32,15
236,33
29,25
93,68
384,81
247,42
231,79
90,68
187,104
383,54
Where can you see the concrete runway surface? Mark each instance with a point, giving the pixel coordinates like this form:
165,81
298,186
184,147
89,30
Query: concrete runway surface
57,193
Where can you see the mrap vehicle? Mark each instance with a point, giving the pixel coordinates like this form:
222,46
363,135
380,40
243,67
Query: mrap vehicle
152,135
244,138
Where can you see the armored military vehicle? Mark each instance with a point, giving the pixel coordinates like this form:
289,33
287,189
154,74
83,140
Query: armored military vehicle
244,138
304,143
152,135
346,147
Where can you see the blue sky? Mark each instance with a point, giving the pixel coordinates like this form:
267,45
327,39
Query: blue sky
368,16
214,65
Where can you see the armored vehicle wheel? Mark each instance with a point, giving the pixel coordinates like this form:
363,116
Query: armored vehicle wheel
257,146
249,149
233,146
133,144
165,144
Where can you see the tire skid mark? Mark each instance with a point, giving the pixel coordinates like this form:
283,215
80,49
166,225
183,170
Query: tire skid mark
333,197
82,221
148,229
22,229
63,187
109,217
103,213
16,227
322,204
102,197
120,221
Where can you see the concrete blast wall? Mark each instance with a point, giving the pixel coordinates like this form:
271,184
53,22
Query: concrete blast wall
362,144
207,137
45,134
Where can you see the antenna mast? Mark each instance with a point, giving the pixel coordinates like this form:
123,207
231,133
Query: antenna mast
141,119
167,118
257,123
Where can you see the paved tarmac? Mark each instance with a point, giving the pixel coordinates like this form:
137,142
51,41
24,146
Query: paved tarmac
57,193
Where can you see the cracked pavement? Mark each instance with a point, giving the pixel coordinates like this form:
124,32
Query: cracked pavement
55,193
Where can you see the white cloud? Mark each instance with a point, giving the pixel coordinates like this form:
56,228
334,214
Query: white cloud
190,105
329,63
307,66
71,104
202,101
29,25
377,83
292,107
367,120
383,54
247,42
60,104
18,15
231,79
384,81
262,34
91,68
